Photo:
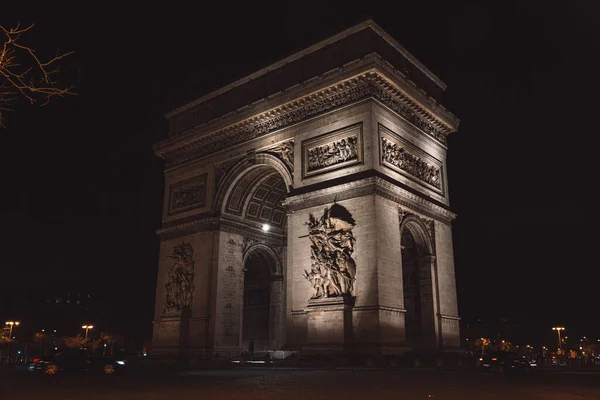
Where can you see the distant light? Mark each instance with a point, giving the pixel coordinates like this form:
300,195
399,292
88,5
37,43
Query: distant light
121,362
43,330
266,227
104,344
145,354
55,330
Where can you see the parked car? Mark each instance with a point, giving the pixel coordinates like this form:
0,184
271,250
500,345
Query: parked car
533,362
504,361
76,360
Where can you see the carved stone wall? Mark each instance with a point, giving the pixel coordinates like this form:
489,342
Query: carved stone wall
333,270
188,194
180,285
323,173
334,150
406,159
285,152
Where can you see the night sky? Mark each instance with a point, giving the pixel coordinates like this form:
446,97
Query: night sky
82,190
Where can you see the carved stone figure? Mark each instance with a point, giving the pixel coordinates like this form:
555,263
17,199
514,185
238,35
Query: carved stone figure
396,155
285,152
333,269
332,153
180,282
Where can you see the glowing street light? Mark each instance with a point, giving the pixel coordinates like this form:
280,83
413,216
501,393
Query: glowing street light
558,329
11,324
87,328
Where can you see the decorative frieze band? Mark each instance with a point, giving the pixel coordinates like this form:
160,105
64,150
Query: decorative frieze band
333,150
188,194
368,84
401,156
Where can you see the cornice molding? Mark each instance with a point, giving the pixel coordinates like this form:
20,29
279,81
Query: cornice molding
413,201
422,112
449,317
212,224
363,187
241,228
183,228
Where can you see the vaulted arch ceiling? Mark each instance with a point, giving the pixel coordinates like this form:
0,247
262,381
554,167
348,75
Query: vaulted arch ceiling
257,196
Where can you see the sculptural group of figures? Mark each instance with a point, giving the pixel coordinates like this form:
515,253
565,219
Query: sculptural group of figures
333,269
180,283
326,155
398,156
187,195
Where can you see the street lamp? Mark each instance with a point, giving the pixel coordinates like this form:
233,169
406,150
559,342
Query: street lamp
11,324
558,329
87,328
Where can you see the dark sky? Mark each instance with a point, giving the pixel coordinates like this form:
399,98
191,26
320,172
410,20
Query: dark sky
83,190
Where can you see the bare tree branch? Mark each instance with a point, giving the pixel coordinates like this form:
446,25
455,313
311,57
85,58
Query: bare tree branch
23,75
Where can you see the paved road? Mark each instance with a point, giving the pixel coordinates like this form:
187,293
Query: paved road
303,384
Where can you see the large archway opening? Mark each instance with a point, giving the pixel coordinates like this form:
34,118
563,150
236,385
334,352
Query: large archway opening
417,287
252,211
257,320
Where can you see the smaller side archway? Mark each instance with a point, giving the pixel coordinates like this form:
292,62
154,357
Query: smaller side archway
262,308
419,286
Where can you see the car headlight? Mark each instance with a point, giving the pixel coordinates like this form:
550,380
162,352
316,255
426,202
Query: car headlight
121,362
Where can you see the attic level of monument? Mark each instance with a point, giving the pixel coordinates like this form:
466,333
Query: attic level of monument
323,58
306,208
367,78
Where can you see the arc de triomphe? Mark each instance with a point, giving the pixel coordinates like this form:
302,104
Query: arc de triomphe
306,207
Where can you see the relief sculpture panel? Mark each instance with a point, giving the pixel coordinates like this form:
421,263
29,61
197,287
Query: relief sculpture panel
180,280
334,150
285,152
333,269
188,194
405,158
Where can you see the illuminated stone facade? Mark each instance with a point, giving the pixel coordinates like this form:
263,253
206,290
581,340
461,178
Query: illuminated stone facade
306,207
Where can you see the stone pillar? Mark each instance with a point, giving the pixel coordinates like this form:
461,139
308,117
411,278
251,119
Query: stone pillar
171,333
230,289
448,307
429,302
329,325
276,316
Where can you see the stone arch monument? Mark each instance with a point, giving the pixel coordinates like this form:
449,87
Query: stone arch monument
306,207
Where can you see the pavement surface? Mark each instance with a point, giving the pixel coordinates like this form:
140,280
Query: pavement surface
290,383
